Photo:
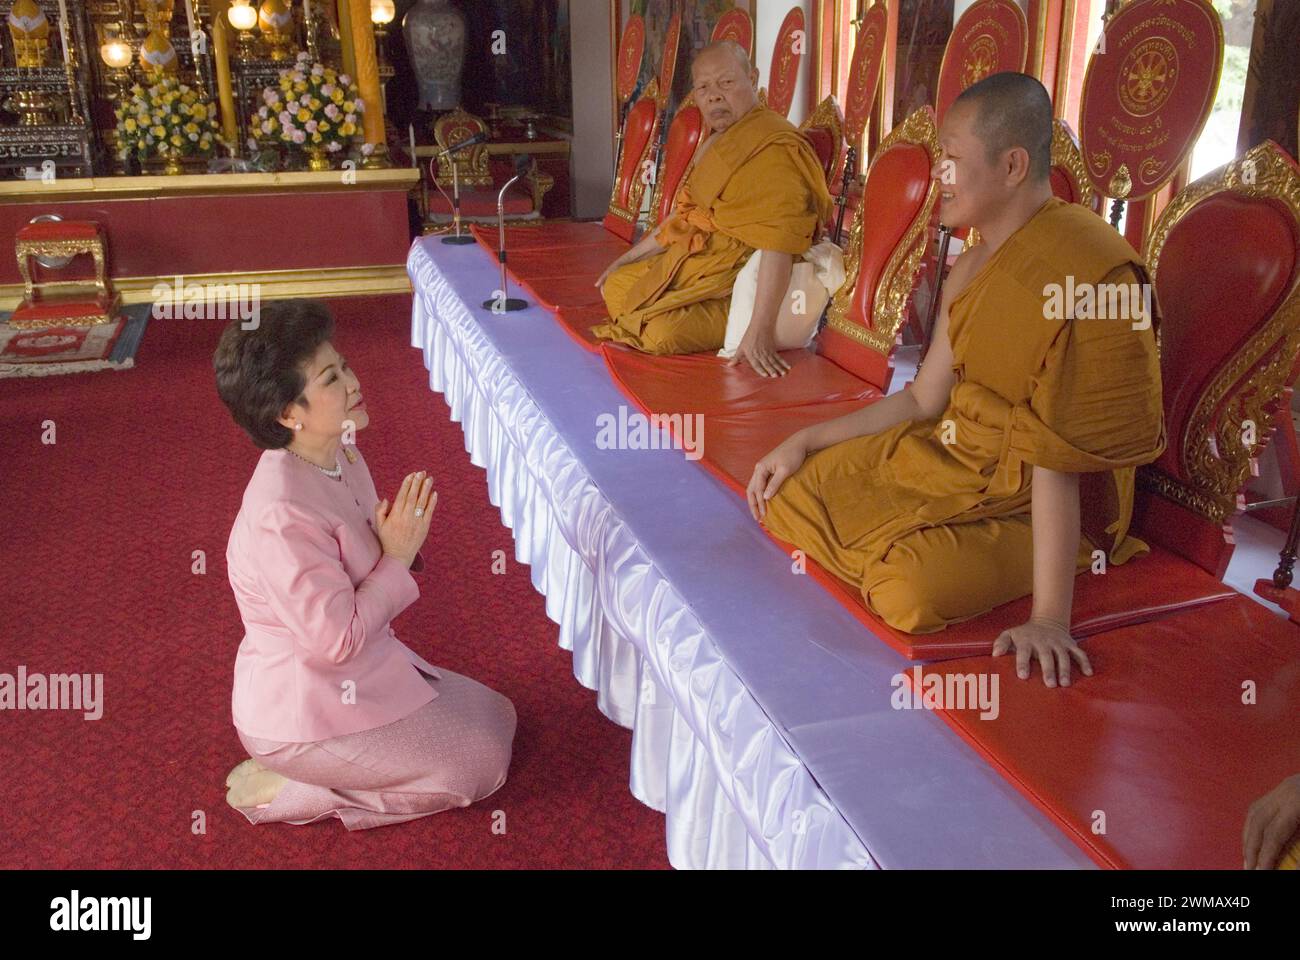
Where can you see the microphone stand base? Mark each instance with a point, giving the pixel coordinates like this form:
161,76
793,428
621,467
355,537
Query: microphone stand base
461,240
507,305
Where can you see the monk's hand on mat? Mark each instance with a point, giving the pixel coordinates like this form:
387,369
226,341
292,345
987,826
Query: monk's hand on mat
758,349
771,472
1272,821
1050,643
403,526
600,281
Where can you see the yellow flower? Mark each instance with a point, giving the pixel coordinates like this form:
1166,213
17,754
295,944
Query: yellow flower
158,131
349,107
198,111
176,139
336,95
130,125
348,129
323,127
303,115
315,138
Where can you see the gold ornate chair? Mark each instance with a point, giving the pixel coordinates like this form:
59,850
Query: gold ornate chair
481,176
1225,261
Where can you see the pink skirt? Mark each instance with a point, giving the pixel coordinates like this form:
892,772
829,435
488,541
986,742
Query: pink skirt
450,752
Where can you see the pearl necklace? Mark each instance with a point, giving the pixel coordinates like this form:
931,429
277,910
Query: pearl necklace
334,474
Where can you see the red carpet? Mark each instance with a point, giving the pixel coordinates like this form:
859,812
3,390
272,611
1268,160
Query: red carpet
99,531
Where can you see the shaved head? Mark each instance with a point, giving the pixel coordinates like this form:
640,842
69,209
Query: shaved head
729,47
1013,110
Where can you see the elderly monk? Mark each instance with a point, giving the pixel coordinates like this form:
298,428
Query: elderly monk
1009,460
756,185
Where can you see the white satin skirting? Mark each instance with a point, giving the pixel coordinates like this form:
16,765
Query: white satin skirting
703,751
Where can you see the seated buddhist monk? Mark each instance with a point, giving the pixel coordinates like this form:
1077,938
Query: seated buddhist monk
756,185
1008,464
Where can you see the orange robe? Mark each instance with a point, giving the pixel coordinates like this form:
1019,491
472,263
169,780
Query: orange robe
758,186
935,532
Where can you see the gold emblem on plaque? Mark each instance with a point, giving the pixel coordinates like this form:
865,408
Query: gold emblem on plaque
1121,183
1147,76
980,61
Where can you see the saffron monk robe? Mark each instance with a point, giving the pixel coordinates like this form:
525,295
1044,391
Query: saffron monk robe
1011,457
756,185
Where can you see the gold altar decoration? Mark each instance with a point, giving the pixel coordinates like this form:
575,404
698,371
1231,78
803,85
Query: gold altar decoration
275,21
30,31
158,16
242,17
157,55
221,66
363,50
167,119
44,303
345,35
313,108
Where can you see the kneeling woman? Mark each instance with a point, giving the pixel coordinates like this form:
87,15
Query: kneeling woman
338,716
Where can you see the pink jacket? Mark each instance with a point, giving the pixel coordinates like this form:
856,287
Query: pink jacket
316,595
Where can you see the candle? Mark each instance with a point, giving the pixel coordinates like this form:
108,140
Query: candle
63,31
306,13
411,129
189,21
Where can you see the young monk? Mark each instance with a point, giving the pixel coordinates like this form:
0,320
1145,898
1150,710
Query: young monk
970,487
757,185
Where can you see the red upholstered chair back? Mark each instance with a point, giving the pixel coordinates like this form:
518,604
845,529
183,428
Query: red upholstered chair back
824,129
783,74
1225,266
735,25
684,135
890,232
639,135
1069,178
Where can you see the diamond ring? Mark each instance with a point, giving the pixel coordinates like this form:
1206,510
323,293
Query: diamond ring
419,511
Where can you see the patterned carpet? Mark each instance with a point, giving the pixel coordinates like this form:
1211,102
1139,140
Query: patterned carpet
99,532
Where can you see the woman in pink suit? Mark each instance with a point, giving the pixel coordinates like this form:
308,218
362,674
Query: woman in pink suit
339,717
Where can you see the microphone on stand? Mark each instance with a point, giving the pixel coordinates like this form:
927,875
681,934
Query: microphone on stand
458,238
506,303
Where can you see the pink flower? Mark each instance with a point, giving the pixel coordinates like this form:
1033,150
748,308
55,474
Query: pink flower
332,111
344,79
333,146
311,126
286,118
327,89
267,126
299,136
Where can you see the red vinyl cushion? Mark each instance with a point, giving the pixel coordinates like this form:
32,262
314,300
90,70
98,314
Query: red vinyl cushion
1158,739
555,293
683,137
588,259
704,383
59,230
544,236
578,321
893,197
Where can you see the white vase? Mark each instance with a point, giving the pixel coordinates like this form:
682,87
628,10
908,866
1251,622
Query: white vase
434,31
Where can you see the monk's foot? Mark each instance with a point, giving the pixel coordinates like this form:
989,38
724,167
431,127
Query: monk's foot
256,789
242,770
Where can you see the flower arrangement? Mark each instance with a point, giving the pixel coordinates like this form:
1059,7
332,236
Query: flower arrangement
166,119
313,108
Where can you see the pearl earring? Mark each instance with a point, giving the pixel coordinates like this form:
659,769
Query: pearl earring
297,426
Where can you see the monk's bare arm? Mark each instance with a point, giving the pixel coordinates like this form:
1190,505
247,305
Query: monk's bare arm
925,398
647,246
1046,636
758,347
